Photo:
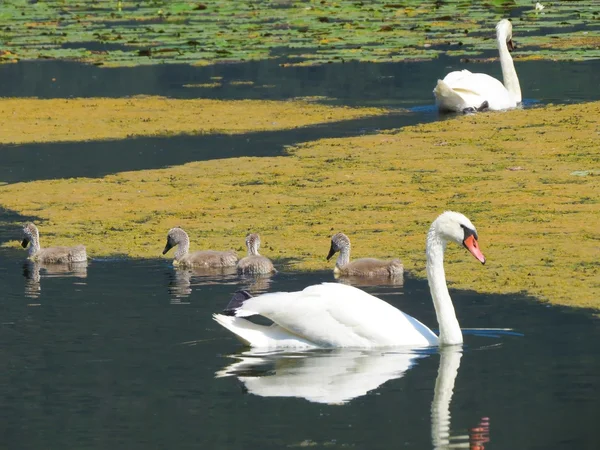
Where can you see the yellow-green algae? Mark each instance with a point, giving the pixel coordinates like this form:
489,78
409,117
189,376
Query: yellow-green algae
33,120
511,173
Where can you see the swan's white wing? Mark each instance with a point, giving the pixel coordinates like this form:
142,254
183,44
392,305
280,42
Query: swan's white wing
336,315
474,89
455,76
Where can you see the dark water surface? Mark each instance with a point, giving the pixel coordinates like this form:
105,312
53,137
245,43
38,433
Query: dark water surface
392,85
401,84
125,355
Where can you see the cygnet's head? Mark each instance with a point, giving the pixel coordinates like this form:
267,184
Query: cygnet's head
175,236
30,232
338,242
252,243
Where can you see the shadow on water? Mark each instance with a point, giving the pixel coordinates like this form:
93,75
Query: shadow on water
29,162
111,360
401,84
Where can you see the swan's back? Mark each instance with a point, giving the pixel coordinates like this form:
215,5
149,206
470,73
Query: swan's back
371,267
336,315
474,89
210,258
255,264
61,254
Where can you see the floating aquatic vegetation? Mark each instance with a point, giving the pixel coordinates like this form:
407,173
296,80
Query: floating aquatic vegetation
108,118
152,31
528,180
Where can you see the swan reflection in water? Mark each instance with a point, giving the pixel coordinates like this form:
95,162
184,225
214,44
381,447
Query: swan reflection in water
371,281
332,377
182,279
337,376
257,284
33,272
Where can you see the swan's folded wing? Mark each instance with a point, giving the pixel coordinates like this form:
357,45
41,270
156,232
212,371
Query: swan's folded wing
475,88
455,76
477,83
336,315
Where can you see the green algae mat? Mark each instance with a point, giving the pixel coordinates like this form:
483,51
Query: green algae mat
60,120
528,179
127,33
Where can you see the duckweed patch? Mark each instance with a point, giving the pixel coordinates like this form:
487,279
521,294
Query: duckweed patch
126,33
34,120
538,230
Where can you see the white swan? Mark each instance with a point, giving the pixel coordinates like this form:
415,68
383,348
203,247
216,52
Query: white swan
335,315
463,91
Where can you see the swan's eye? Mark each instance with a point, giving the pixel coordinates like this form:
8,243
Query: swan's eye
469,232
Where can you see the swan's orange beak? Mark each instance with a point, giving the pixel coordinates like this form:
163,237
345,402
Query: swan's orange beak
471,244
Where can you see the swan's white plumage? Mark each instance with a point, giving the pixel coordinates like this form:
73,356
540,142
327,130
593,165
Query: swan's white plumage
337,315
462,90
262,336
327,315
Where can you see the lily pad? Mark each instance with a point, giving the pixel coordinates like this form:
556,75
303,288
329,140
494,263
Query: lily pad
198,33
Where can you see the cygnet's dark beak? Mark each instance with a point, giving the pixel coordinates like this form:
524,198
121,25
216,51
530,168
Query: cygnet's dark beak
25,243
331,252
168,247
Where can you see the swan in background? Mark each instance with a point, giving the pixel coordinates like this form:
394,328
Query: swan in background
364,267
336,315
51,255
205,258
254,263
463,91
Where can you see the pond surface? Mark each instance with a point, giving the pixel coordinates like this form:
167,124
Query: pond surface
393,85
124,354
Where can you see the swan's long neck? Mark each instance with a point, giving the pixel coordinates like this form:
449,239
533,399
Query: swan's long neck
34,245
450,333
183,246
509,74
444,388
344,257
253,244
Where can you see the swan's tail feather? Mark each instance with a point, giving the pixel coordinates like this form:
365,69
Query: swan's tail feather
446,98
236,302
249,333
255,335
